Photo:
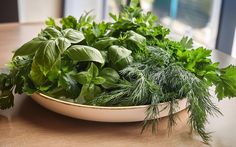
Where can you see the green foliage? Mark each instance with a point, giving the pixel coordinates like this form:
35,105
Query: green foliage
119,56
226,83
69,22
82,53
73,36
90,81
6,87
29,48
111,78
127,62
186,42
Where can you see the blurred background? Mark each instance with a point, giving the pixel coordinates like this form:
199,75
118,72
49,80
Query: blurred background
209,22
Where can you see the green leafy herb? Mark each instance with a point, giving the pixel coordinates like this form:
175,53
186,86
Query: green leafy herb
127,62
84,53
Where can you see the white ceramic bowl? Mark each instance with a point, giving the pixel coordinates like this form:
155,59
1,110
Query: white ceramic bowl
102,114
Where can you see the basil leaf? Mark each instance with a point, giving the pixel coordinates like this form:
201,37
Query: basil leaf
47,56
89,91
99,80
36,75
104,55
67,82
29,48
62,44
50,33
73,36
119,56
105,43
83,77
55,71
111,77
93,70
135,37
84,53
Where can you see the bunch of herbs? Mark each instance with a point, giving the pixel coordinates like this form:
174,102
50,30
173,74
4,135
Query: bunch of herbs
129,61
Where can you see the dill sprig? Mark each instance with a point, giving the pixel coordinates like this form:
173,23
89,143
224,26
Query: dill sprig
167,84
175,77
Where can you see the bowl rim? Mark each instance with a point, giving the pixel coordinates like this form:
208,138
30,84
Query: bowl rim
98,107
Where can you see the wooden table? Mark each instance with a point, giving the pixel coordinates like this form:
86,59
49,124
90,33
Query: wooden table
29,124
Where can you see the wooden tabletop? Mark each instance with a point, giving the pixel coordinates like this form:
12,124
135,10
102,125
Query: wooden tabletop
29,124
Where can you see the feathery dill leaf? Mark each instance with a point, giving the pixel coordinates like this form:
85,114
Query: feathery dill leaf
175,77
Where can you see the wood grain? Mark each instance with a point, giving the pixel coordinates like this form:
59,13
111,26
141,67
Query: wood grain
28,124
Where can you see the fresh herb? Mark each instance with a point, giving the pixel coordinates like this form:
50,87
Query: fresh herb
127,62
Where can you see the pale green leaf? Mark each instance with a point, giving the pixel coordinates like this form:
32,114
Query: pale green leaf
99,80
29,48
84,53
47,56
83,77
73,36
93,70
62,44
119,56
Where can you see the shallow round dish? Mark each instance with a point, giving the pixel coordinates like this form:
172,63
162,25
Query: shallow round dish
102,114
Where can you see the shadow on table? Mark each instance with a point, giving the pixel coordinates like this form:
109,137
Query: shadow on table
40,119
3,118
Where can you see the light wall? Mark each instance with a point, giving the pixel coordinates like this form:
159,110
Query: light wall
79,7
38,10
233,52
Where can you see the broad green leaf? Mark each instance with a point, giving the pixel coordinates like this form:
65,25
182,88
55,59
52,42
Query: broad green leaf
84,53
55,71
123,62
98,80
119,56
83,77
50,33
211,77
135,37
29,48
89,91
67,82
104,55
93,70
89,79
46,57
36,75
186,42
226,87
136,42
94,90
62,44
105,43
111,77
73,36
